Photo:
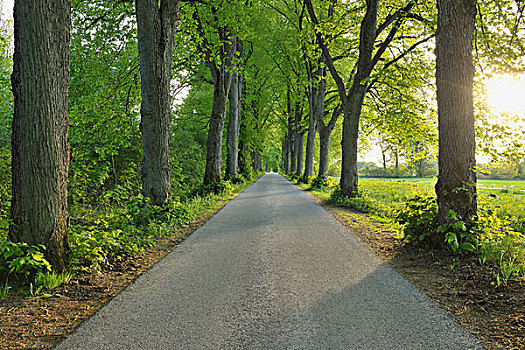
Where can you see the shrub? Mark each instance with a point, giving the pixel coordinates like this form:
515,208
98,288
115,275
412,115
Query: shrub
22,259
419,219
362,203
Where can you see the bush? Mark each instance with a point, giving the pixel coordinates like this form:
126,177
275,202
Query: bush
323,182
22,259
362,203
419,219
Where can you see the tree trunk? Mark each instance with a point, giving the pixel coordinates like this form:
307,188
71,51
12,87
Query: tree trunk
317,96
156,28
310,142
40,143
352,112
456,186
353,103
396,157
299,143
232,140
212,174
325,132
324,146
291,132
286,155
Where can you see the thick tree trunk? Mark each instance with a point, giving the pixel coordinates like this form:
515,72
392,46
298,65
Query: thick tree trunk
286,155
156,34
222,78
353,103
234,121
352,112
456,186
310,143
291,132
40,143
256,160
299,143
324,147
212,174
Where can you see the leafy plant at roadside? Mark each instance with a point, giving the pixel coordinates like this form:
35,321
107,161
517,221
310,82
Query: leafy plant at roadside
23,259
52,280
501,244
322,182
419,217
362,203
458,236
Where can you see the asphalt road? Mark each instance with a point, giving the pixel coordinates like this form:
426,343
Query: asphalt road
272,270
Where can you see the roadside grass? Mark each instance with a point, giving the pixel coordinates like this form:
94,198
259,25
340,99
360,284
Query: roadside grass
498,237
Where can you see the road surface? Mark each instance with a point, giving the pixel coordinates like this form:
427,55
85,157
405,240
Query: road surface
271,270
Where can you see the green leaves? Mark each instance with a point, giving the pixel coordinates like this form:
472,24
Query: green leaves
22,258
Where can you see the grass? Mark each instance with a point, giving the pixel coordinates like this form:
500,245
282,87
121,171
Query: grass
51,280
505,197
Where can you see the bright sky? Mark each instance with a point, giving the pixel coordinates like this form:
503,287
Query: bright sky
506,94
7,7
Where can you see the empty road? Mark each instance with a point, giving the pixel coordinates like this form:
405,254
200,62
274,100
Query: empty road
272,270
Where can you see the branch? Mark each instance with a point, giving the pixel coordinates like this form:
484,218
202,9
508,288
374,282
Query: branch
204,47
406,52
329,61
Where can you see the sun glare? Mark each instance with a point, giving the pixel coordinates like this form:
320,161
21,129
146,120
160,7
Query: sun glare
506,94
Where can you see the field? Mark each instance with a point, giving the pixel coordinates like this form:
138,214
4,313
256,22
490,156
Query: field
506,197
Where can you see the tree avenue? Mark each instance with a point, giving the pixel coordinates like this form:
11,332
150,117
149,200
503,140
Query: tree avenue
172,100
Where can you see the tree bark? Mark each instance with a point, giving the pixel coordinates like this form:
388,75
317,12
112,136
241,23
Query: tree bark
40,143
156,27
232,139
298,141
325,132
291,133
212,174
222,77
456,186
324,152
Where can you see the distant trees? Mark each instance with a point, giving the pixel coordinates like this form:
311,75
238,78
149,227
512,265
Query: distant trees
40,143
456,186
156,27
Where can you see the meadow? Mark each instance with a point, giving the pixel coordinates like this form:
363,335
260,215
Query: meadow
505,197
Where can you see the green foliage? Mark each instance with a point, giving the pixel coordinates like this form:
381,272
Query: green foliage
459,236
500,244
419,218
4,290
51,280
322,182
22,259
361,203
